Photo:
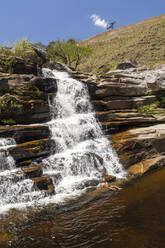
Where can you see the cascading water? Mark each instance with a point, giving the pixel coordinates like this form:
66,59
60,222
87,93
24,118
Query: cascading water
83,154
82,151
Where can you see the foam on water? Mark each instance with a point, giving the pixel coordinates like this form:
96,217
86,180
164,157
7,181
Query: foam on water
83,153
82,150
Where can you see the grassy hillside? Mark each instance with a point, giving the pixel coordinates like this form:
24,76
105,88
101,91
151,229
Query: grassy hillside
143,42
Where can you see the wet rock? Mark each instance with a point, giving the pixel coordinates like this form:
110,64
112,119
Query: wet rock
47,85
32,149
43,183
24,163
88,183
145,166
32,171
109,178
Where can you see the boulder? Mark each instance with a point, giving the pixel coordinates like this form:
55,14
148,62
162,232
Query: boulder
127,64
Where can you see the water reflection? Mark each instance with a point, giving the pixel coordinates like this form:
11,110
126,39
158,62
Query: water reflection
132,218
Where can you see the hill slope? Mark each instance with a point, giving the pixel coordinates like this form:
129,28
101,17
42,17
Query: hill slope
143,42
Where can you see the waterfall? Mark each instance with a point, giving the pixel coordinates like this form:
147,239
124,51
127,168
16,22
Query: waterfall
82,152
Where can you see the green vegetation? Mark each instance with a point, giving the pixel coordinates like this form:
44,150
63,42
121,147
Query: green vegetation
143,42
8,103
8,122
158,107
22,49
7,63
69,52
149,109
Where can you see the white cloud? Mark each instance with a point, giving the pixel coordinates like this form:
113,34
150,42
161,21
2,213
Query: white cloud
97,21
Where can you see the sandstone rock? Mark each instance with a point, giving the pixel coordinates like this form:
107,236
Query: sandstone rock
25,133
32,171
122,103
146,166
32,149
127,64
43,183
109,178
139,144
13,110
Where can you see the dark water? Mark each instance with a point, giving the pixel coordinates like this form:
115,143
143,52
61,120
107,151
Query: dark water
132,218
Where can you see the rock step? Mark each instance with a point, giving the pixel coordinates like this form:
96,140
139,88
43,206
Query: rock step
123,103
24,163
24,133
139,144
32,171
118,121
31,150
44,183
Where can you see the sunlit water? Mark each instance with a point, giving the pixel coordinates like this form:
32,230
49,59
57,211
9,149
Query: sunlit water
131,218
82,152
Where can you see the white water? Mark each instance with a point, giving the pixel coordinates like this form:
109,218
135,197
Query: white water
82,150
83,153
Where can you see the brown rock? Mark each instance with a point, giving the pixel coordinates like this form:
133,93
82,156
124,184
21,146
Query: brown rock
43,183
109,178
32,149
26,132
32,171
139,144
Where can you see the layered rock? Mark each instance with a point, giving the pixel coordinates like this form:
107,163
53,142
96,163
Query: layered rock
25,95
24,111
119,97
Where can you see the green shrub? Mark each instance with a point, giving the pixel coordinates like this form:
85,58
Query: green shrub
68,52
23,49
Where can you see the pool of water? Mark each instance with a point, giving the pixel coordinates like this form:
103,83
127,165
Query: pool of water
131,218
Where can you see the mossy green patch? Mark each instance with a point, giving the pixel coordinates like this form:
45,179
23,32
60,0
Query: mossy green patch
8,122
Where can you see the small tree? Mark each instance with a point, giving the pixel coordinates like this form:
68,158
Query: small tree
68,52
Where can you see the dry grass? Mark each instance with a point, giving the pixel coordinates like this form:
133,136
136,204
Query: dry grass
143,42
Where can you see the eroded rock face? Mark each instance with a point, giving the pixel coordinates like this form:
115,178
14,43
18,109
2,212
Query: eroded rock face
25,95
138,137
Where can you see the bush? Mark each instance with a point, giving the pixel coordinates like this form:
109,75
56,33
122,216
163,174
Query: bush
68,52
23,49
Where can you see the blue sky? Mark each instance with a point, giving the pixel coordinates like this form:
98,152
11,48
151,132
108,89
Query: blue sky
48,20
